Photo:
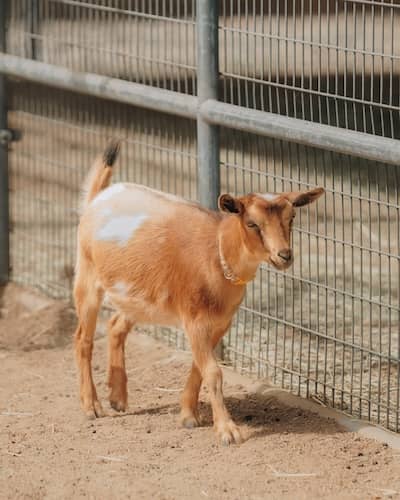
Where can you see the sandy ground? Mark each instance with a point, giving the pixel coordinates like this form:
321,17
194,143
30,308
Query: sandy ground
49,450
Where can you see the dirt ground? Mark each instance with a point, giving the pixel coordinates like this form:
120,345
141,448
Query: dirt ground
48,449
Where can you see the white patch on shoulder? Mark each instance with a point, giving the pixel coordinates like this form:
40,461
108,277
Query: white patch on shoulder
269,196
109,192
106,211
120,228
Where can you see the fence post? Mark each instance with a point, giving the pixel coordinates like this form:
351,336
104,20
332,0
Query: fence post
208,175
4,208
207,88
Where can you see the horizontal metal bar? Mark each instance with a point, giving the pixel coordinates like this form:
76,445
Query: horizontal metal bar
228,115
100,86
303,132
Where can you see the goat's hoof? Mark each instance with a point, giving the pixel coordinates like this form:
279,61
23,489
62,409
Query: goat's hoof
229,433
118,405
94,410
190,421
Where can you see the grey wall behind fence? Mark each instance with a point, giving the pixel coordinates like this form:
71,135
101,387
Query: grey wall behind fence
329,327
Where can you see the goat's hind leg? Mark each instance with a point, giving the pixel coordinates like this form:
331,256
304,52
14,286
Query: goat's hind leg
118,329
88,297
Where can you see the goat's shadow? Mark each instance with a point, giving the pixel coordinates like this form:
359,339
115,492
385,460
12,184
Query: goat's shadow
262,414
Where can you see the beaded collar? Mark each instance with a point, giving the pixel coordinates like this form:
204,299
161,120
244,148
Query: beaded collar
228,272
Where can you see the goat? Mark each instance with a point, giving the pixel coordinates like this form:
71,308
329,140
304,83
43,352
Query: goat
164,260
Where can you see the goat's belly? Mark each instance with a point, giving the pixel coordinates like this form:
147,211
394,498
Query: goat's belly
143,312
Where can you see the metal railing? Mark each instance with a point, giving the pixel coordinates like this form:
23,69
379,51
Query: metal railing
305,95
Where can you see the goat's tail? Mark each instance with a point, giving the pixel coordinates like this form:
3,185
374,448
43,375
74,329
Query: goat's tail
100,174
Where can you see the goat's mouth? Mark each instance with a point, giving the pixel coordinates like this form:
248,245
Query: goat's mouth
279,263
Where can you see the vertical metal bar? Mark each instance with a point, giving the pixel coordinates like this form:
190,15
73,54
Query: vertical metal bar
32,16
4,205
207,76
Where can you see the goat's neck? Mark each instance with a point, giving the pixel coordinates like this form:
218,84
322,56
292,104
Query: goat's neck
238,264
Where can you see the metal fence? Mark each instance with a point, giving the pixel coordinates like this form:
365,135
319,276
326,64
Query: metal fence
305,93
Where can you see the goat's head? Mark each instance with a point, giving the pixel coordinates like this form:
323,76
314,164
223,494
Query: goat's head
266,222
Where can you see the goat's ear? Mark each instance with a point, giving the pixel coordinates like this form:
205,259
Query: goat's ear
227,203
299,199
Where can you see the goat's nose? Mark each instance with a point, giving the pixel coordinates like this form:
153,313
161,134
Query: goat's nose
285,254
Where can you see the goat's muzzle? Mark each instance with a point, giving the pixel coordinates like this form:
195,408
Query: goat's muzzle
282,259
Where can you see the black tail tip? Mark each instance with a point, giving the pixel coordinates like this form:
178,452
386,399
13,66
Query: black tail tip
111,152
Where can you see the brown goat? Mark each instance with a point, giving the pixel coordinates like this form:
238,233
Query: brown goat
163,260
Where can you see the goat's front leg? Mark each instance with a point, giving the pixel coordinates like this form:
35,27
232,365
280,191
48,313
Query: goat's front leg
190,397
205,360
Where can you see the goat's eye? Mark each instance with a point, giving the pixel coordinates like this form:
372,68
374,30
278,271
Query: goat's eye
253,225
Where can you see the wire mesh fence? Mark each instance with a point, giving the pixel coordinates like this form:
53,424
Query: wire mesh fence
145,42
329,327
329,62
